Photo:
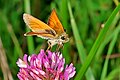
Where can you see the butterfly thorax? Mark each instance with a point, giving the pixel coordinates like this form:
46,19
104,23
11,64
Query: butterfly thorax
59,39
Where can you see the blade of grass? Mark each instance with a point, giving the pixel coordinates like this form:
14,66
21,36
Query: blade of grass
15,47
107,38
109,35
97,60
113,74
4,64
29,39
79,44
16,43
111,46
96,45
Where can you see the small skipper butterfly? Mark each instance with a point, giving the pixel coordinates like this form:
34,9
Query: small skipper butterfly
53,31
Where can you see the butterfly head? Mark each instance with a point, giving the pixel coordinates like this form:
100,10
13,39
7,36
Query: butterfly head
64,38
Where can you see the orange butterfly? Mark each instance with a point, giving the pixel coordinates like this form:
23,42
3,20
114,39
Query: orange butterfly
53,31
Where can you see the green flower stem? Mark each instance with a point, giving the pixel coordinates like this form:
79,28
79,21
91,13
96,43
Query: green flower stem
96,45
29,39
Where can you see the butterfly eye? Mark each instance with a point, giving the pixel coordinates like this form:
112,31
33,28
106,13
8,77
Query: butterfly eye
65,30
63,37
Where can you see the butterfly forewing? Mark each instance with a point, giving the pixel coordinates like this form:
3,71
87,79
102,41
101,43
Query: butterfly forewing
54,23
38,27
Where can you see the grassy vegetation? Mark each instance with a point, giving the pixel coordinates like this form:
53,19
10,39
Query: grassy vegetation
93,27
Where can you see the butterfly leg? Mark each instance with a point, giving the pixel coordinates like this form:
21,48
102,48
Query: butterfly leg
58,47
49,46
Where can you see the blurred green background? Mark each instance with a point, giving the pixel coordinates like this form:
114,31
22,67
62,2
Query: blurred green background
90,17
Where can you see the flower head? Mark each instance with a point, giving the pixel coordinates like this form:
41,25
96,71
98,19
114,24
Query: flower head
44,66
